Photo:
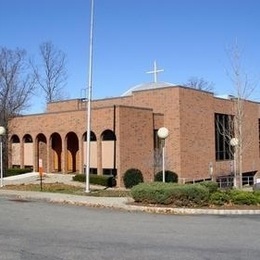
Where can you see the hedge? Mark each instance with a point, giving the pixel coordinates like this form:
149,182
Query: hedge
243,197
16,171
219,198
169,193
103,180
191,195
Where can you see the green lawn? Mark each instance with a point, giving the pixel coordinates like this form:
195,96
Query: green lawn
69,189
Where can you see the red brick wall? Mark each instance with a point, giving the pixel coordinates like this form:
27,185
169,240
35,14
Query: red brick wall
167,102
187,113
135,140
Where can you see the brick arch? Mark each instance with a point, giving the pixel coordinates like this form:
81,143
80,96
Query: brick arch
93,136
28,151
72,152
108,135
27,138
93,152
15,139
15,146
41,151
55,152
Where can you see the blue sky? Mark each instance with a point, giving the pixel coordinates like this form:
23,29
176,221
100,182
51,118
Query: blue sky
187,38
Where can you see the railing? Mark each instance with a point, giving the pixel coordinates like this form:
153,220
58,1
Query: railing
223,182
228,181
186,180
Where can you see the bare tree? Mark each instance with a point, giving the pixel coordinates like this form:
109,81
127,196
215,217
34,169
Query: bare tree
236,132
243,88
199,83
17,83
51,75
16,87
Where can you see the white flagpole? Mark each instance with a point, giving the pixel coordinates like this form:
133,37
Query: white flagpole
89,97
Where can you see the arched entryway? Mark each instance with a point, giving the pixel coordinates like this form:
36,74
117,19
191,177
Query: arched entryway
56,152
72,152
15,152
41,151
28,151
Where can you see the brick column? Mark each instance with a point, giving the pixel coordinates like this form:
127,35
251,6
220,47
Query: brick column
64,155
48,156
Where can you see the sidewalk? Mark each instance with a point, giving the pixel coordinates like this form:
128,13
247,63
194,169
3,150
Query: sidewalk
34,177
121,203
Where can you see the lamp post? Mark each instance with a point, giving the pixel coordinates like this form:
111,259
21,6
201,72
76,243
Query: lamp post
211,171
163,133
2,132
234,143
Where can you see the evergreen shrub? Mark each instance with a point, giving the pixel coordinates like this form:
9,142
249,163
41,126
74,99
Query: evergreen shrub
169,176
170,193
219,198
195,194
191,195
17,171
257,195
103,180
212,186
243,197
132,177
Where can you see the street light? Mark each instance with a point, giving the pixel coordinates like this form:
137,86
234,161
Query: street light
234,143
2,132
163,133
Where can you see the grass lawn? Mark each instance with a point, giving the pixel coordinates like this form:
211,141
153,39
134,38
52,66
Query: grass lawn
69,189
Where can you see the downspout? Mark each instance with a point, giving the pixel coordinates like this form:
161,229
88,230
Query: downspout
114,129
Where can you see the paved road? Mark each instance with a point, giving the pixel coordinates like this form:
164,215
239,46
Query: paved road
31,230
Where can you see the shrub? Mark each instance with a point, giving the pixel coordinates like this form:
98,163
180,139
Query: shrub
103,180
257,195
79,177
196,194
132,177
190,195
169,193
111,181
243,197
151,193
17,171
219,198
212,186
169,176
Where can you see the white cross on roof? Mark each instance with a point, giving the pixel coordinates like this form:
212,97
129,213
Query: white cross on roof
155,71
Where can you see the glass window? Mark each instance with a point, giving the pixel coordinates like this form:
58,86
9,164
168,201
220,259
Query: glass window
224,131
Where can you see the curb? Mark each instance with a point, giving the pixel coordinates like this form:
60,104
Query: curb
190,211
122,204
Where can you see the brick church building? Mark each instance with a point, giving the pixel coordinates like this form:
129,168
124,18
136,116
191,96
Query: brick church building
124,135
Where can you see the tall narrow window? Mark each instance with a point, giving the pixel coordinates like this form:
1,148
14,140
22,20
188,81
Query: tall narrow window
156,139
224,131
